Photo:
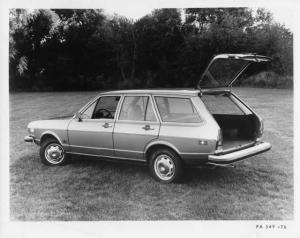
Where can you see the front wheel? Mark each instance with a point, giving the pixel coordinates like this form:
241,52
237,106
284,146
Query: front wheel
165,166
52,153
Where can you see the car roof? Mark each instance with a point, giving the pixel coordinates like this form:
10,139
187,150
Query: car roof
180,92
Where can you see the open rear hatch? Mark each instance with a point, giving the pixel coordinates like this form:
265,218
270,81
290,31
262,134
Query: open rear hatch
224,69
240,126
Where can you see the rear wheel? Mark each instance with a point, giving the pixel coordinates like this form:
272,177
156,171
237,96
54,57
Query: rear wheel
165,166
52,153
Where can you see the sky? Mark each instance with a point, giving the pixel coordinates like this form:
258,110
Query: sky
283,15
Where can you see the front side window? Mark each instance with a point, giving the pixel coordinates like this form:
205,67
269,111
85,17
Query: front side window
173,109
137,108
104,108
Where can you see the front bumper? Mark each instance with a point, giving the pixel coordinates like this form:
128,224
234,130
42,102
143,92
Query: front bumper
232,157
32,139
29,138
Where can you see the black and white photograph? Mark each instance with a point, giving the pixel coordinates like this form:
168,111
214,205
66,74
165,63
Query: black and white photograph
178,115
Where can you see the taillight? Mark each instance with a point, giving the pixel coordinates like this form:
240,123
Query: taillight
219,140
261,129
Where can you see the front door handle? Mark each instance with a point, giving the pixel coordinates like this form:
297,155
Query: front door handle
106,125
147,128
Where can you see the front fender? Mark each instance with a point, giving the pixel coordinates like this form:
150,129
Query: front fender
52,134
56,128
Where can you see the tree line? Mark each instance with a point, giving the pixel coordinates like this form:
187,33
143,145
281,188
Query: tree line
87,49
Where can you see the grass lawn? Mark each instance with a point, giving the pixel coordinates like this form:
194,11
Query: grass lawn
259,188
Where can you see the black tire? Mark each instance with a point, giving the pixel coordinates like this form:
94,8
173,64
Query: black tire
161,163
55,146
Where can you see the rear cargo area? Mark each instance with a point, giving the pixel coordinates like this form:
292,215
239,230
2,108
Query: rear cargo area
239,126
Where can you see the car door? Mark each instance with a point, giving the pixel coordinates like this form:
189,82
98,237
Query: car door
92,133
136,126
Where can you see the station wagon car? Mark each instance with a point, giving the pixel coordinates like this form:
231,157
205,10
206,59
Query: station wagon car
167,129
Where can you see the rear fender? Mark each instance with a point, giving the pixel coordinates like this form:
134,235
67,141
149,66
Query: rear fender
160,143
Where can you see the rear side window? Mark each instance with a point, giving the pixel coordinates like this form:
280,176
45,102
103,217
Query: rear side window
137,108
173,109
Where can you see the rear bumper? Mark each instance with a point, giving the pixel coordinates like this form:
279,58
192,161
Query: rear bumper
240,154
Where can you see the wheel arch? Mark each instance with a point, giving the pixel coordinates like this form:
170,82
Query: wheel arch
49,134
160,144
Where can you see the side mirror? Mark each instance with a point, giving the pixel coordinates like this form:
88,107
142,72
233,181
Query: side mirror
78,116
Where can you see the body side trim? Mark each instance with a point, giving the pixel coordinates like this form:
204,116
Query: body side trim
186,153
112,157
101,148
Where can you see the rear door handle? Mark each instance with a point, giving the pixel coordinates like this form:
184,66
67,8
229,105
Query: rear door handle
106,125
147,128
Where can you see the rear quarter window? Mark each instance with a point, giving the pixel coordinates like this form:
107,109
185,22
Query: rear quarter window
172,109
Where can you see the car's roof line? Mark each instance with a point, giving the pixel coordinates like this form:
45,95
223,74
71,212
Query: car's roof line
187,92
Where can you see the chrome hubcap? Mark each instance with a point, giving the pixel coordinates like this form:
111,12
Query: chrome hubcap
164,167
54,153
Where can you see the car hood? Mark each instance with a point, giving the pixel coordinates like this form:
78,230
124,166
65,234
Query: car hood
224,69
61,117
54,124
